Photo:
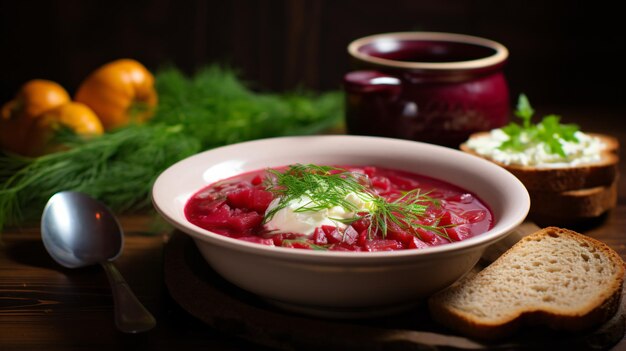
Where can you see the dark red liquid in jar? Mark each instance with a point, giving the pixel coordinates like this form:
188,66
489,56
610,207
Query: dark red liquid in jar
427,51
434,91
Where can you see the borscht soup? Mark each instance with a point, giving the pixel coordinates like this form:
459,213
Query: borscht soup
339,208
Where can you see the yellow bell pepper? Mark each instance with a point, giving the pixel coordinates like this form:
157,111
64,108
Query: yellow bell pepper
72,115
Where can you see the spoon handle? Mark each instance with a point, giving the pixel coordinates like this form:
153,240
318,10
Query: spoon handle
130,315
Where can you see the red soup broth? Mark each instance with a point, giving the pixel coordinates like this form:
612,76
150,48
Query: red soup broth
235,207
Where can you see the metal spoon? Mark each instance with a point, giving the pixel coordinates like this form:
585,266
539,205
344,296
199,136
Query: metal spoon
79,231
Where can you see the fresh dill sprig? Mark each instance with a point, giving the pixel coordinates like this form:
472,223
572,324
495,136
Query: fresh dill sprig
324,187
405,212
549,131
120,168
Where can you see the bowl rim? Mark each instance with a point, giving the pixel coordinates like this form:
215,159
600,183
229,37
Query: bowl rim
501,53
498,231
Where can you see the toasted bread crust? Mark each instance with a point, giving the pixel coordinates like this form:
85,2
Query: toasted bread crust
589,313
583,203
559,179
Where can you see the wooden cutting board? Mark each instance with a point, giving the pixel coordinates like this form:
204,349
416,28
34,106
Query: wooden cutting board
222,306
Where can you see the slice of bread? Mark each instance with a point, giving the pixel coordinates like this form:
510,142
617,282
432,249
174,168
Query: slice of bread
564,178
554,277
573,205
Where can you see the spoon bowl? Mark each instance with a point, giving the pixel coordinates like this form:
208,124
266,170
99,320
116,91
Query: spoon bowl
79,231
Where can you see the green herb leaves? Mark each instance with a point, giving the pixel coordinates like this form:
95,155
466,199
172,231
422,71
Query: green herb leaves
549,131
552,132
524,110
324,187
405,212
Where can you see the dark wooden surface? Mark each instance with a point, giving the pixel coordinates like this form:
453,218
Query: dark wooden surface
44,306
204,294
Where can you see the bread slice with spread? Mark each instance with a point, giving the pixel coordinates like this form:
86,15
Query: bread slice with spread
571,176
579,170
554,278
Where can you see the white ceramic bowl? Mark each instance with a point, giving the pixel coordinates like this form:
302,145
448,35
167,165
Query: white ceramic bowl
341,283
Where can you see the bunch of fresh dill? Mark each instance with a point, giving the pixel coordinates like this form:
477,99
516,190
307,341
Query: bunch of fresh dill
210,109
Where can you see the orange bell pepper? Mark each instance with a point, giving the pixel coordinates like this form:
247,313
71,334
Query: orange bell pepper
18,115
72,115
120,92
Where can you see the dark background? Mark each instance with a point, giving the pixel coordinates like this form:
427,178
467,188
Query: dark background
563,53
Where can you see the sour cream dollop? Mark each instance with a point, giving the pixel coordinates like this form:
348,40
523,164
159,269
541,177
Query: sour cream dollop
287,220
588,149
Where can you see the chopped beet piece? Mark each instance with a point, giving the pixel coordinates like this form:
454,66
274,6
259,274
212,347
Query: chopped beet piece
395,232
451,218
278,239
361,224
452,233
362,238
474,216
328,229
417,244
426,235
382,184
403,183
429,220
333,236
239,198
383,245
350,236
319,237
369,171
257,180
458,233
439,240
251,199
219,217
401,236
245,221
210,204
260,200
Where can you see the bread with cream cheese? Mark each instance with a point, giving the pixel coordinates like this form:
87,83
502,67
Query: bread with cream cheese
568,195
563,178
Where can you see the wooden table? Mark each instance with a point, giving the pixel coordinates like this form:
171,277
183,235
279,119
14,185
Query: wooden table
45,306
